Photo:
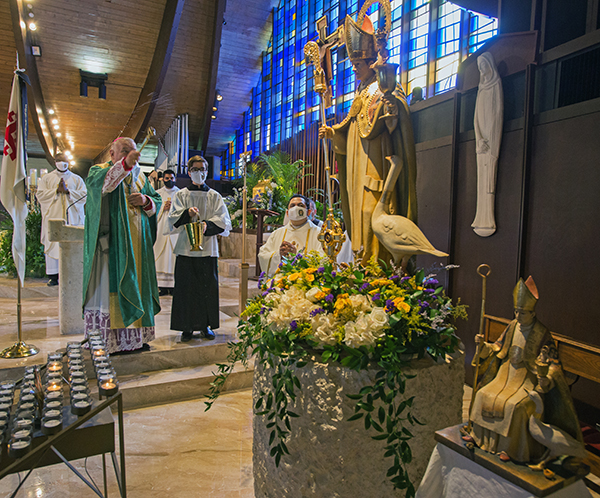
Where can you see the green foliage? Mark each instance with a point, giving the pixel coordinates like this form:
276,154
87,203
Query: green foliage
35,263
283,175
361,317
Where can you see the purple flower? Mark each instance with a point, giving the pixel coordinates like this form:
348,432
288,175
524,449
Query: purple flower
263,310
429,291
423,304
293,325
321,269
404,279
317,312
265,293
431,281
272,284
333,273
389,306
394,277
364,286
329,298
377,297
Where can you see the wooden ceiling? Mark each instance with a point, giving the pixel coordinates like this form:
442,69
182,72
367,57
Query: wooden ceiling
162,58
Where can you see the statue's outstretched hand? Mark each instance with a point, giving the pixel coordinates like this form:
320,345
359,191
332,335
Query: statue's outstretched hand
326,132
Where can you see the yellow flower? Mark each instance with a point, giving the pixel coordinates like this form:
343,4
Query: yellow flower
320,295
309,277
310,270
374,291
294,276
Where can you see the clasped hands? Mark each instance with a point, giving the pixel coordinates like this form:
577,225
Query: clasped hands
62,187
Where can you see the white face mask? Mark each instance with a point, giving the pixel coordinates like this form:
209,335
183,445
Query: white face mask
198,177
297,213
62,166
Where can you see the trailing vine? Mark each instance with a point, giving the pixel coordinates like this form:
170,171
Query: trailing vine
360,317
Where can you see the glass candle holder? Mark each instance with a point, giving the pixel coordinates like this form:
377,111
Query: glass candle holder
23,422
53,405
56,356
108,385
7,386
19,447
53,396
51,425
78,381
79,389
80,406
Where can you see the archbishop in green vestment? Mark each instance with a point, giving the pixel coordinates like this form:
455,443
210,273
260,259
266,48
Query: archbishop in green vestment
120,293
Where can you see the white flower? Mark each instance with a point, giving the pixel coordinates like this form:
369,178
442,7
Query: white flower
378,318
360,302
292,305
310,295
357,333
324,327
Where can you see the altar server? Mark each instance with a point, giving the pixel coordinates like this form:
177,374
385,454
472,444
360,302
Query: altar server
298,235
196,293
165,241
61,195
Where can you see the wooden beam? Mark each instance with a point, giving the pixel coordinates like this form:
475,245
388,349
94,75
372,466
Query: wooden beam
142,113
27,62
214,65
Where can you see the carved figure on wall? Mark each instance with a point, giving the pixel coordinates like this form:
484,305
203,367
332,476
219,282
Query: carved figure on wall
368,135
523,410
489,117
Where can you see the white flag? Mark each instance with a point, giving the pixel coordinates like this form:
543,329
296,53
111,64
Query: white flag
13,175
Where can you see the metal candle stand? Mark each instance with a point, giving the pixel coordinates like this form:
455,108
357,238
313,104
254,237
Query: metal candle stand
55,418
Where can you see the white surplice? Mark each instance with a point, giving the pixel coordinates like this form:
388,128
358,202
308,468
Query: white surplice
55,206
165,242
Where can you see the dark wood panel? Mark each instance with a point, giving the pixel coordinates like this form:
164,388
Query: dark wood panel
563,236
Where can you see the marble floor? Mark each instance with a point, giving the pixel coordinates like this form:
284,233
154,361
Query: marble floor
176,450
40,325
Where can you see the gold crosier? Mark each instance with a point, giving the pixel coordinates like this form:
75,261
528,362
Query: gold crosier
332,236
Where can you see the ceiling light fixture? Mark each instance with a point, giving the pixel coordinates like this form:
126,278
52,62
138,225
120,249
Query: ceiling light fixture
32,26
55,121
36,50
73,163
214,117
219,97
56,127
59,134
96,80
50,111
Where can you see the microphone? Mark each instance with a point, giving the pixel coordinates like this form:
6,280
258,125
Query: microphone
71,205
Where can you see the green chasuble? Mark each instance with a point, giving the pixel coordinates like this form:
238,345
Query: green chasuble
131,234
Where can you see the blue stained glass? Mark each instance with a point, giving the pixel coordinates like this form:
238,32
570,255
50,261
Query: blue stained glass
284,101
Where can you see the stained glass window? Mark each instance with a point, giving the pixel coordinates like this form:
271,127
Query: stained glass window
428,39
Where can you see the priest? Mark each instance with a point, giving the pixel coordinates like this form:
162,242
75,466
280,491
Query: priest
298,235
196,293
165,241
61,194
120,294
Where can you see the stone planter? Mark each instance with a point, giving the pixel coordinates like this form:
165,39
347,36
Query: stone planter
331,457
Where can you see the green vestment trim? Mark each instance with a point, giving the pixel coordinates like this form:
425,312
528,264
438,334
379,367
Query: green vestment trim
135,301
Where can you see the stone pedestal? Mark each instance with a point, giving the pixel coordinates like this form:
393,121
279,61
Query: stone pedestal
331,457
70,269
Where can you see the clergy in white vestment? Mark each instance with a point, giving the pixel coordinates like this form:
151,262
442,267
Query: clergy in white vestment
196,293
299,235
164,246
61,194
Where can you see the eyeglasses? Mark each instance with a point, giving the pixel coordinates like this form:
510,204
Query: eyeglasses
202,169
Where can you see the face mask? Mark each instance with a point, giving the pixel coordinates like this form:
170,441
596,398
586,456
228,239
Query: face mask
198,177
297,213
62,166
169,183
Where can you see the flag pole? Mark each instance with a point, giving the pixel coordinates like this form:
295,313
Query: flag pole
19,349
19,214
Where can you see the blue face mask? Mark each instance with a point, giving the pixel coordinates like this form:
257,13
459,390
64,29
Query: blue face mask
169,183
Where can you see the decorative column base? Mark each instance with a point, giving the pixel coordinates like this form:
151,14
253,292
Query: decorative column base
331,457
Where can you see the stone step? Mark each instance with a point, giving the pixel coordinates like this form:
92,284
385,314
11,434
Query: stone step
179,384
231,268
34,288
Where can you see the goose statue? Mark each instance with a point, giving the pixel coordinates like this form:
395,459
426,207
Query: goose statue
557,441
399,235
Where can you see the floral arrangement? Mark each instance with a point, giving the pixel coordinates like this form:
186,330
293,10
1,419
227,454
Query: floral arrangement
360,316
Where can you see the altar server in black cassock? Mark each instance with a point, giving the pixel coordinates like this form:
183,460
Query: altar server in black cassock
196,293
